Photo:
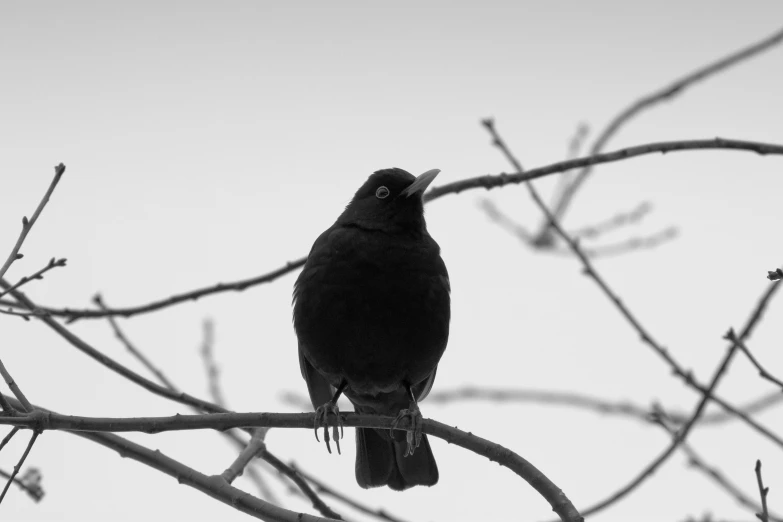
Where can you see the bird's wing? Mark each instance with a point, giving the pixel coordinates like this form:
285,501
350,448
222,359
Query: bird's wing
318,387
422,389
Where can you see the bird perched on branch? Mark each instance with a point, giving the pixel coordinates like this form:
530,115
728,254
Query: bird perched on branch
371,312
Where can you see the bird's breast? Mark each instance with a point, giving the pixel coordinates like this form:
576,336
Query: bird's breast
373,309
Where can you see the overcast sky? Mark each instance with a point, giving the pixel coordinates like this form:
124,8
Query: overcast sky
209,142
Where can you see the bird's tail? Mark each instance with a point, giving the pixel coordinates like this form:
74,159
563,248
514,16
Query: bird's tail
381,461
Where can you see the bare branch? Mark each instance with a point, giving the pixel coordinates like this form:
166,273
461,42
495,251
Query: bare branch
654,98
631,244
22,315
47,420
237,468
323,488
237,286
8,437
210,366
764,515
118,333
214,485
695,461
775,275
305,488
762,372
20,463
15,388
574,147
505,222
6,407
27,225
623,247
30,482
613,223
53,263
495,181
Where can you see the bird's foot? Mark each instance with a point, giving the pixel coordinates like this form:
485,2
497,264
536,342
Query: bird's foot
412,437
322,420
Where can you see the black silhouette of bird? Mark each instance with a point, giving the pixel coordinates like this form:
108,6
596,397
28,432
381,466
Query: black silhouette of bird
371,313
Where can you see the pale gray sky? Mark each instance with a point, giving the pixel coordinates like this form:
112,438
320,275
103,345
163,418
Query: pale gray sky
211,142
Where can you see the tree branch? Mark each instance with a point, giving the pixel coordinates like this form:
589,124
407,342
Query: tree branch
27,407
30,483
20,463
27,225
654,98
38,275
46,420
764,515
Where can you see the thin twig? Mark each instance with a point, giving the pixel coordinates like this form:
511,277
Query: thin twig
613,223
574,147
775,275
8,437
505,222
632,244
695,461
623,247
120,335
27,225
22,315
210,366
762,371
53,263
764,515
19,464
237,286
666,93
323,488
6,407
297,479
495,181
15,388
30,482
237,468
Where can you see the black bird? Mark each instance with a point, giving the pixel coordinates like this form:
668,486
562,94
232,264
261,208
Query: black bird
371,312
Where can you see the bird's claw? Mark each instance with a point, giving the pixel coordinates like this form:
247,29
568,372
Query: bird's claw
322,420
412,437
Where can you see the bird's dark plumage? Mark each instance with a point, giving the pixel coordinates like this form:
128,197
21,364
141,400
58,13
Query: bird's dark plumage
371,312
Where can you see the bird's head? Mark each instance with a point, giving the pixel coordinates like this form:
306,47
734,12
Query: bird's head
390,201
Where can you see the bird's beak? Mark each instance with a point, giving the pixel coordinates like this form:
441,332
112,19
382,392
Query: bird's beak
421,183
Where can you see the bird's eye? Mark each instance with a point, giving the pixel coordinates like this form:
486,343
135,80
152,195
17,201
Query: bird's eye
382,192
